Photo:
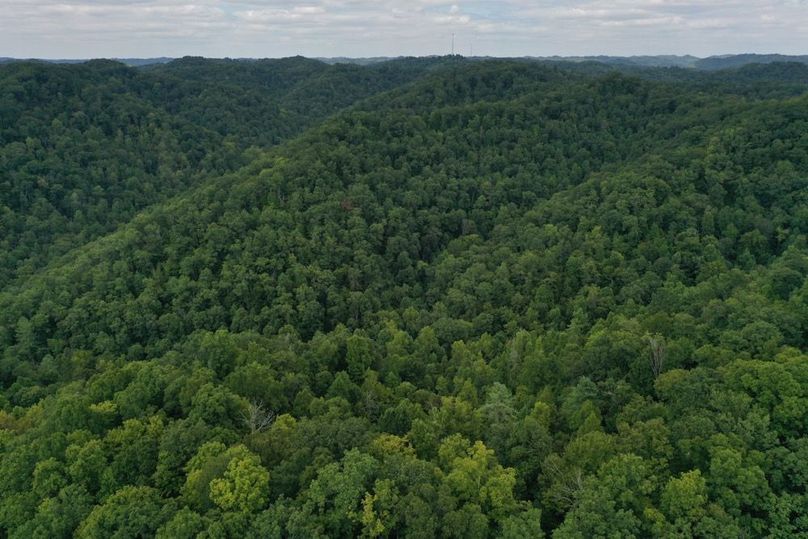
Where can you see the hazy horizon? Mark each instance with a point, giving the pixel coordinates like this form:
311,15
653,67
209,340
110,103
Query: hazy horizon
382,58
60,29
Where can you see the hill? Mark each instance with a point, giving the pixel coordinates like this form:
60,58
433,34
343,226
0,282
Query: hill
739,60
500,298
85,147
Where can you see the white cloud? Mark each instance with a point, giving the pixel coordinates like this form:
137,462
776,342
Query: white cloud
92,28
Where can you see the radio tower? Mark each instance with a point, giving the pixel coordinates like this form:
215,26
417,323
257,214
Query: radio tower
452,43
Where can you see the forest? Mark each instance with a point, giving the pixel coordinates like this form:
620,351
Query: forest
424,297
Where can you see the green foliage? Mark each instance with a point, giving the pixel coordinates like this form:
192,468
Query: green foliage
243,487
129,512
85,147
472,299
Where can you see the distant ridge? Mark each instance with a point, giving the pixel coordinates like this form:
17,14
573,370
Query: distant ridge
738,60
710,63
133,62
357,61
642,61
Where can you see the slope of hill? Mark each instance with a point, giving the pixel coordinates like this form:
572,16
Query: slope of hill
84,147
507,299
739,60
685,61
133,62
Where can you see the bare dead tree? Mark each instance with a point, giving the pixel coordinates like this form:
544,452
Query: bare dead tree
657,356
569,483
258,418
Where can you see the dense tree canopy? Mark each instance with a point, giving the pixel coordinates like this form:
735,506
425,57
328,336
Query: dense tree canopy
84,147
472,299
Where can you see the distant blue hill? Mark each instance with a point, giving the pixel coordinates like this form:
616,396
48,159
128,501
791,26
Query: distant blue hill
134,62
710,63
738,60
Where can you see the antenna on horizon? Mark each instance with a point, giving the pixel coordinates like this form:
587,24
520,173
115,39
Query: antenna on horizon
452,43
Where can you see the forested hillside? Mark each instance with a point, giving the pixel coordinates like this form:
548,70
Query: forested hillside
488,299
84,147
737,60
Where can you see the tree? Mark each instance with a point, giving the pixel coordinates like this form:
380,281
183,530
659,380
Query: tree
243,487
685,503
129,512
657,354
615,503
258,418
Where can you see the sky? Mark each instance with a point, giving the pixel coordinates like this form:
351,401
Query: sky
366,28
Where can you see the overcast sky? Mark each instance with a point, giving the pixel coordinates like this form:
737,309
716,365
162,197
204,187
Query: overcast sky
273,28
